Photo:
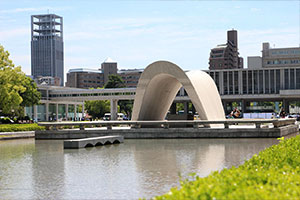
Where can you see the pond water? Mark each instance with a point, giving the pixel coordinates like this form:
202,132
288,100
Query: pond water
42,169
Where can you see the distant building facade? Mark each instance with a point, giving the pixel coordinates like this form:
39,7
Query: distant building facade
48,80
226,56
92,78
275,57
85,78
47,47
254,62
130,76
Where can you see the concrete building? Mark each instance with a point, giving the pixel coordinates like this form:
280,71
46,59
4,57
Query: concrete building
130,76
276,84
275,57
47,47
254,62
85,78
226,56
280,57
92,78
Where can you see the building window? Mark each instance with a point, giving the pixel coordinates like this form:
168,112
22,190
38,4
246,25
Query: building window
277,81
236,82
297,78
249,82
255,81
230,83
267,85
244,82
261,82
286,79
292,79
272,78
225,83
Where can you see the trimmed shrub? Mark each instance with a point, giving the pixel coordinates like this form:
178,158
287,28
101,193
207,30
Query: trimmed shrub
272,174
20,127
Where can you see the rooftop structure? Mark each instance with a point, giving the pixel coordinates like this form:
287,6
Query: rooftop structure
109,60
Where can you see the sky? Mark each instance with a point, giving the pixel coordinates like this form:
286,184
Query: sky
137,33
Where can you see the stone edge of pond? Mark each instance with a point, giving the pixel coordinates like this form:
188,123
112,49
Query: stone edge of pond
17,135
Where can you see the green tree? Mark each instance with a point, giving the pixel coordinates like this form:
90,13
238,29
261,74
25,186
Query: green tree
126,107
114,81
97,108
31,96
15,87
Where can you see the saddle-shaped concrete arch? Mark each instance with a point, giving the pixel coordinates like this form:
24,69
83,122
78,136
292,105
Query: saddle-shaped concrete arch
159,84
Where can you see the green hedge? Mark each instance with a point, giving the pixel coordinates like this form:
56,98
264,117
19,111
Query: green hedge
19,127
272,174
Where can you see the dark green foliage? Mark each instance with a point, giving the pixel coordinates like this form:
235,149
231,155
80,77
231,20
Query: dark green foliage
31,96
272,174
16,90
126,107
114,81
97,108
20,127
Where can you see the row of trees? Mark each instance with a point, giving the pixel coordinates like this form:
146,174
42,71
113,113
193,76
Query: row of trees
16,89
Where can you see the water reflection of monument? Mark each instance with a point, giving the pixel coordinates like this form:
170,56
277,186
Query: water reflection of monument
159,163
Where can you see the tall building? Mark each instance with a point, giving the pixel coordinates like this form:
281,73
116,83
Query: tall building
226,56
47,47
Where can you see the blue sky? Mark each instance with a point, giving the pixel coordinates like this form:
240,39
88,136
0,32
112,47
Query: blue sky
137,33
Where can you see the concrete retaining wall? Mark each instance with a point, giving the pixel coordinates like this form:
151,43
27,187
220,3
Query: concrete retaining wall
16,135
152,133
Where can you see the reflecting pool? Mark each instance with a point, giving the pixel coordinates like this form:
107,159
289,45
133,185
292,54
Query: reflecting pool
42,169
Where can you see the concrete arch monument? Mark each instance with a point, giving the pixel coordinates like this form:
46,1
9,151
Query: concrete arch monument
159,84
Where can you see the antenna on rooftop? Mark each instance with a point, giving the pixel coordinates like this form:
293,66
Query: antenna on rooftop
47,11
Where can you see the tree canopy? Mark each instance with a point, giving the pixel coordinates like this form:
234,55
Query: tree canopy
114,81
16,89
97,108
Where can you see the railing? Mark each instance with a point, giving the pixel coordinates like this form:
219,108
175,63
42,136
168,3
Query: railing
167,124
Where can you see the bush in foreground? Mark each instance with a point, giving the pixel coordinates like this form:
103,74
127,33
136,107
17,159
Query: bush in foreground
19,127
272,174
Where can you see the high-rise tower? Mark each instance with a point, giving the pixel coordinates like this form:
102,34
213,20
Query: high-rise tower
47,47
